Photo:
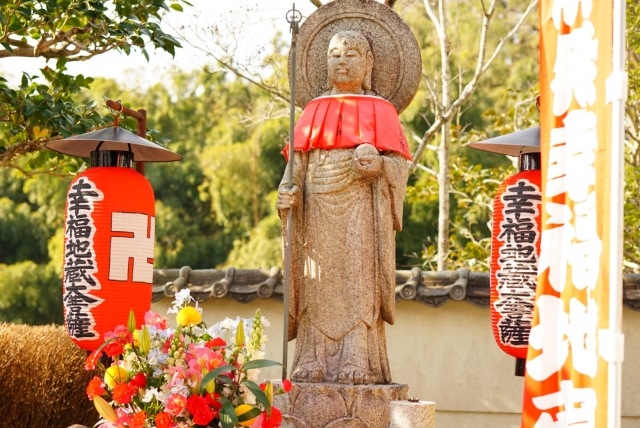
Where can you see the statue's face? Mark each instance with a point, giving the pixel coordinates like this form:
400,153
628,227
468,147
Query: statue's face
349,54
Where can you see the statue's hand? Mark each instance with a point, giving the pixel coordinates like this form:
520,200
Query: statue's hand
367,162
287,197
368,165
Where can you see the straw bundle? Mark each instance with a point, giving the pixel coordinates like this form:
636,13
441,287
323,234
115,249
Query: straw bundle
42,379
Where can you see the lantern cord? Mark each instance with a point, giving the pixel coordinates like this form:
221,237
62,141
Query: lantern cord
293,17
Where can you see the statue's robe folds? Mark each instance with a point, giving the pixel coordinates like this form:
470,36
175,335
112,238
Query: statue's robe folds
343,240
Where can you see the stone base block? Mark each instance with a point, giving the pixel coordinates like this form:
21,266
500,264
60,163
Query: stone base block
406,414
327,405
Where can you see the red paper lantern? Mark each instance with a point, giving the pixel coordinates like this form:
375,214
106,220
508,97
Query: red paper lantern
515,249
108,252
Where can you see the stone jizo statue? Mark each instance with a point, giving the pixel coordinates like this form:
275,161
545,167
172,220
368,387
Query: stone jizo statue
349,181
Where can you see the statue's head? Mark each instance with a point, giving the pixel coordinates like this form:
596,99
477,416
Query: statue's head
350,63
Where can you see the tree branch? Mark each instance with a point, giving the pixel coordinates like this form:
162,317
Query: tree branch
23,147
481,67
234,70
17,43
509,34
316,3
431,14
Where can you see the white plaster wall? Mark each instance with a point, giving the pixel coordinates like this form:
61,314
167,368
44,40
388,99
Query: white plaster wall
447,355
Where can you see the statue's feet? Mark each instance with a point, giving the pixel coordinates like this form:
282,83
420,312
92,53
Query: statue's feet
354,375
309,373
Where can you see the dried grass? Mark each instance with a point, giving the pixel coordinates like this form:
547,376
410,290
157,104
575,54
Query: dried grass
42,379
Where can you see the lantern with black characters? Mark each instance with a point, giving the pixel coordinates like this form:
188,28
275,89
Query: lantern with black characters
515,243
108,233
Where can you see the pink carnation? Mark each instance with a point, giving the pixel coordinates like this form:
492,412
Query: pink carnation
121,333
203,358
154,319
176,403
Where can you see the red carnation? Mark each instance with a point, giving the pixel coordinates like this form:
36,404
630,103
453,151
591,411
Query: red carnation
203,415
263,385
194,402
163,420
286,385
212,400
114,348
272,421
139,381
95,387
139,419
122,393
92,360
215,342
198,406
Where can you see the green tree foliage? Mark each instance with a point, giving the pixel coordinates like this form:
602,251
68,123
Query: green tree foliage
475,177
503,102
219,199
48,107
42,108
32,293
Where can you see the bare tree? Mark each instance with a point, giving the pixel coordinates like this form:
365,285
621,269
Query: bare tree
445,108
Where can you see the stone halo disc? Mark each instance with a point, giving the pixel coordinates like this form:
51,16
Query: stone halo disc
397,65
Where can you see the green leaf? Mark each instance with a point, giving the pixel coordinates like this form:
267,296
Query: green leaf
7,47
213,374
247,416
260,395
176,6
225,379
225,420
259,364
228,414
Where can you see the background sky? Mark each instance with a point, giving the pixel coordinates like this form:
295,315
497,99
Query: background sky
259,20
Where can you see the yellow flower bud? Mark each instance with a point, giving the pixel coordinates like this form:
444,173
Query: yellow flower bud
240,334
105,409
268,391
131,324
145,341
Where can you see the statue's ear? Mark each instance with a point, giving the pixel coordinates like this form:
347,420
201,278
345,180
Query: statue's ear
367,78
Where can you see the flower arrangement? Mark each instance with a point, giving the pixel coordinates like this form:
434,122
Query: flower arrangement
190,376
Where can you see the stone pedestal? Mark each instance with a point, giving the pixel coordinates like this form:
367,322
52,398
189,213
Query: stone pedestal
407,414
325,405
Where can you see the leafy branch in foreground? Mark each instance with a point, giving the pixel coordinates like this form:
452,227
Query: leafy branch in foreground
44,108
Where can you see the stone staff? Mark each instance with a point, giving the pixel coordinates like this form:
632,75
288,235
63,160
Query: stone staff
293,17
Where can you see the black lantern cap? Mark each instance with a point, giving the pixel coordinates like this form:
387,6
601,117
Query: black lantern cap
514,144
114,139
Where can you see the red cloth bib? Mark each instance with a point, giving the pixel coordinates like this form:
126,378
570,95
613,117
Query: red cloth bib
346,121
